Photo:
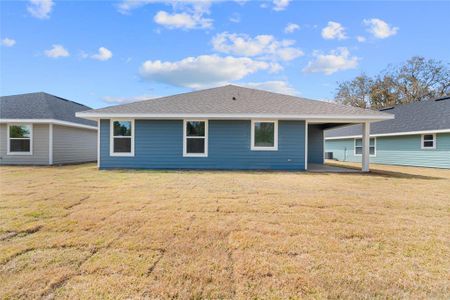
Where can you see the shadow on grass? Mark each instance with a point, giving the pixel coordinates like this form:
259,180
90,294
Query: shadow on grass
385,173
393,174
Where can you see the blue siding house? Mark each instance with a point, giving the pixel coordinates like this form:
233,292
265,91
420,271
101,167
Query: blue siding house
229,127
418,136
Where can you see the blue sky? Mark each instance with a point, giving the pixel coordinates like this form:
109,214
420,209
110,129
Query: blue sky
101,53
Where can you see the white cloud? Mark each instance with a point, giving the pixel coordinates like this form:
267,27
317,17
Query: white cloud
124,100
182,20
291,27
186,14
40,9
235,18
334,30
336,60
276,86
380,29
7,42
202,71
263,46
57,51
103,54
128,5
360,39
279,5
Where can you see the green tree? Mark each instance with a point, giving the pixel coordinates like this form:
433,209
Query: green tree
417,79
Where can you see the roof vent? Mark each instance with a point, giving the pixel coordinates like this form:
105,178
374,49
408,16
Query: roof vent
234,98
443,98
386,108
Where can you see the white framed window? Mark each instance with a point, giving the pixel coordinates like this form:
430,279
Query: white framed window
20,139
264,135
195,138
428,141
121,137
358,148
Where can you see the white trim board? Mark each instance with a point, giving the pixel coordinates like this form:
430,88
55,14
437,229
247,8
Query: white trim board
306,145
98,143
275,136
318,118
112,137
8,143
422,140
374,146
185,137
390,134
48,121
50,144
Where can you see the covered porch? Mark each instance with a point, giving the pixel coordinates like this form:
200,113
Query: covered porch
314,146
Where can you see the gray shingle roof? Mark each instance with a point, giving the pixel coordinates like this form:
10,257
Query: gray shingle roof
417,116
233,100
41,106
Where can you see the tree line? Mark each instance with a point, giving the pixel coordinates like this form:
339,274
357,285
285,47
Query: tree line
417,79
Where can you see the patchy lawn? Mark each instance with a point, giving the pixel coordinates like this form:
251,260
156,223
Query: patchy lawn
75,232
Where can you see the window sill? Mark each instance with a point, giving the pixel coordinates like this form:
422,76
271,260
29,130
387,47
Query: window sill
19,153
195,155
263,149
122,154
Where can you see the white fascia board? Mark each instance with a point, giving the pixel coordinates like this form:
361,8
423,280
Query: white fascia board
316,118
390,134
48,121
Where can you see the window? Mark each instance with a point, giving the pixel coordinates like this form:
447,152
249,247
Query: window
428,141
20,141
122,138
264,135
359,146
195,141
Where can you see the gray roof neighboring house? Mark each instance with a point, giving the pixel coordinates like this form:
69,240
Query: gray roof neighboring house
41,106
234,102
431,115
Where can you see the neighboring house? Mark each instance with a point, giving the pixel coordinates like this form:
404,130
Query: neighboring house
42,129
227,127
418,136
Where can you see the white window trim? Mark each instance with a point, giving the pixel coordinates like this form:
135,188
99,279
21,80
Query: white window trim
185,154
8,152
374,145
111,138
422,146
275,138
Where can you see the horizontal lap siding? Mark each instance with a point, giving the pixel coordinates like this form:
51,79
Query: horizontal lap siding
399,150
159,145
40,147
315,144
74,145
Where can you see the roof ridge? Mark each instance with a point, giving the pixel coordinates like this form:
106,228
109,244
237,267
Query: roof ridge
237,86
160,98
64,99
48,94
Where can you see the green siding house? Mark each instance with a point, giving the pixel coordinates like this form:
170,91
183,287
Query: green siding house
418,136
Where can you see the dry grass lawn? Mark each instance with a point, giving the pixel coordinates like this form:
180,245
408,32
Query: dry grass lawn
75,232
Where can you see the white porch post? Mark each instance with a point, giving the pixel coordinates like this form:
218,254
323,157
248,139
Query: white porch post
306,145
98,143
365,147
